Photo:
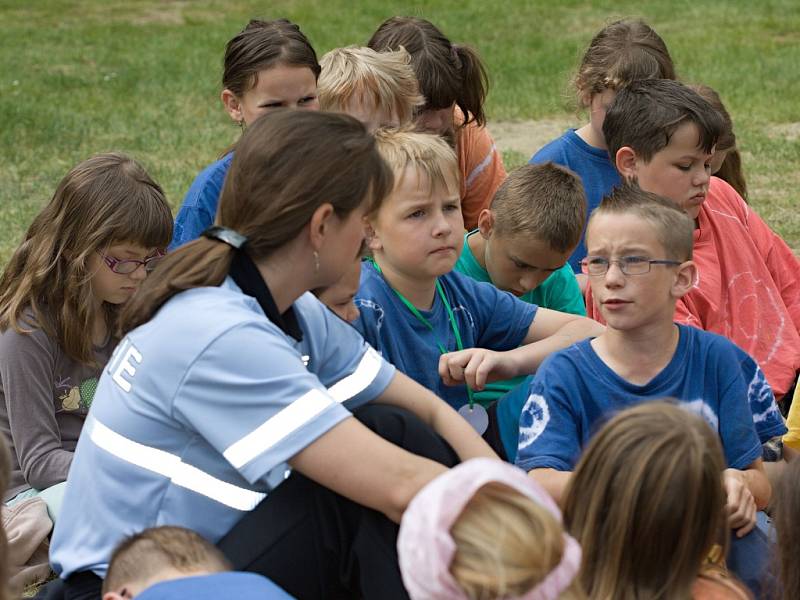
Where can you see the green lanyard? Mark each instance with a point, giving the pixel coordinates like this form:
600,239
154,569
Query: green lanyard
450,316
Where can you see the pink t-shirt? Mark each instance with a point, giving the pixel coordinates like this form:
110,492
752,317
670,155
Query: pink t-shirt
747,288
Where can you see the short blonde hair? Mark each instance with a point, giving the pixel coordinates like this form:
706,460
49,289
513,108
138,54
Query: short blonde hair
358,73
429,153
506,544
143,556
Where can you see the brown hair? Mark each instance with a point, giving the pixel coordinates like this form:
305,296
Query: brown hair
731,168
506,544
674,227
654,472
447,73
787,508
5,473
645,114
105,199
141,557
384,79
271,191
261,45
622,52
544,202
427,152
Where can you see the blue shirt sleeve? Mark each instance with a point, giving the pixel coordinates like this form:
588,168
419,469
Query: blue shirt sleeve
249,395
505,320
767,416
549,422
199,207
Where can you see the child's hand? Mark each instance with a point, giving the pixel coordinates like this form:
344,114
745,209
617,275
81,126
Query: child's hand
474,366
741,505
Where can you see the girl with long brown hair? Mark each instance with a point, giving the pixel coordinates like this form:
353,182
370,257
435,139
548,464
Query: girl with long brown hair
267,66
453,80
229,405
647,504
83,257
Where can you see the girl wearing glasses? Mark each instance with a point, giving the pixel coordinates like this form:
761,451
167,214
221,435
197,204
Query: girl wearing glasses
83,256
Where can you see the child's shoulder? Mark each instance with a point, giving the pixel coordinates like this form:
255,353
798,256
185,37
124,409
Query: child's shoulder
31,334
711,348
556,149
725,202
212,177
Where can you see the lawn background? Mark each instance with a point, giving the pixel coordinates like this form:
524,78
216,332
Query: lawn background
78,78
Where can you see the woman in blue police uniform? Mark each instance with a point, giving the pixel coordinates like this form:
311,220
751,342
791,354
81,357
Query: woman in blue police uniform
229,405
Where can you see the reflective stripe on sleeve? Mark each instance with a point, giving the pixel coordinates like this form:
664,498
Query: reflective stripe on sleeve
172,467
277,427
481,166
360,379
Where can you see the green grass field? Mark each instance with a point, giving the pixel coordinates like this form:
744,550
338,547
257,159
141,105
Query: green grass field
78,78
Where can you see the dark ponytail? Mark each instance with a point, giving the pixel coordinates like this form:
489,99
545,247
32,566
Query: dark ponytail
447,73
287,164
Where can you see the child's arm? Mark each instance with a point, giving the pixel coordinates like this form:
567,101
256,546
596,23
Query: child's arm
550,331
748,491
406,393
554,482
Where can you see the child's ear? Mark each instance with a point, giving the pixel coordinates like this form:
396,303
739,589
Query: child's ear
625,161
232,105
372,239
685,276
486,223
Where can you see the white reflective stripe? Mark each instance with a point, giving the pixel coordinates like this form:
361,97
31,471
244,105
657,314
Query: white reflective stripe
360,379
170,466
277,427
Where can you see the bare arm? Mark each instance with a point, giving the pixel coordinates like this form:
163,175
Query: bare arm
358,464
406,393
554,482
748,491
550,331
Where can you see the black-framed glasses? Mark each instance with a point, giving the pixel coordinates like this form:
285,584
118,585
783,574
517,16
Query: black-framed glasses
129,265
629,265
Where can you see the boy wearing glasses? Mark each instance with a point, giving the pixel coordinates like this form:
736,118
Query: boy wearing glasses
639,264
662,135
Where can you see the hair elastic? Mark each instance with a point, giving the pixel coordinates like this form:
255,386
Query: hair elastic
426,548
228,236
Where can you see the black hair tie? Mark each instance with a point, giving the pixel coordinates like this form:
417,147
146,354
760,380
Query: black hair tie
228,236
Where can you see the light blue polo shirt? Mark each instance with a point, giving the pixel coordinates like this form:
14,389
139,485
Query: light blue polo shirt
198,412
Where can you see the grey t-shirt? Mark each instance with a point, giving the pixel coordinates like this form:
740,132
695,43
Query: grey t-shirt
44,398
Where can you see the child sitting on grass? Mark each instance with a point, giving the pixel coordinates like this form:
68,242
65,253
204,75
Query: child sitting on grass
639,265
483,530
618,54
377,88
174,563
662,134
414,308
523,242
647,505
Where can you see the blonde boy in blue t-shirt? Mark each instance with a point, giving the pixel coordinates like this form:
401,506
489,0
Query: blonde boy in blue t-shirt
523,242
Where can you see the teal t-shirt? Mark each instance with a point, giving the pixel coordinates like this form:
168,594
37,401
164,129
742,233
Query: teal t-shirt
560,292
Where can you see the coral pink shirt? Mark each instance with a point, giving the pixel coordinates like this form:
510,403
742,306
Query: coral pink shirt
747,288
481,167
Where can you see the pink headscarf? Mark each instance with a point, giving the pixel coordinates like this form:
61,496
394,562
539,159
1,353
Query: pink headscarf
426,548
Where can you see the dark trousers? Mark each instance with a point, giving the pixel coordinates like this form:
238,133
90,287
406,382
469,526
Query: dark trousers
317,544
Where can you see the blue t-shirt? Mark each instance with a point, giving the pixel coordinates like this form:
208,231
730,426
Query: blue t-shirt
486,318
199,207
574,392
593,166
242,586
197,413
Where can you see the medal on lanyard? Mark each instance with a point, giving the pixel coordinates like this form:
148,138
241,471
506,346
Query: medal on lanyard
473,413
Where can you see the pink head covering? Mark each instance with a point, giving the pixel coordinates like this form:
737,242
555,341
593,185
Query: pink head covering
426,548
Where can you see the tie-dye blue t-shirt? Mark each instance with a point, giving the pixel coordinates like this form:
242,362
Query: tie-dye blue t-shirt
575,392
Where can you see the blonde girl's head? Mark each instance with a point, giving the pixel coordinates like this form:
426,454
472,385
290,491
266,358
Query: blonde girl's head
621,52
727,161
106,201
485,530
646,502
268,65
